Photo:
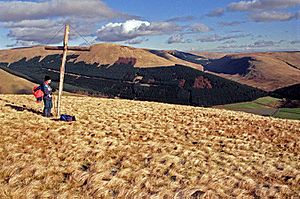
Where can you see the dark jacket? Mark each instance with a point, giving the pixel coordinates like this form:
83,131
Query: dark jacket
47,91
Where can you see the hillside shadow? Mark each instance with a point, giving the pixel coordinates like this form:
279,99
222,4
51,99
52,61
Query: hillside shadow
196,59
229,65
175,84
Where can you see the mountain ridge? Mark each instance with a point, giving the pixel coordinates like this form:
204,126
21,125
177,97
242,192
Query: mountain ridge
104,53
266,70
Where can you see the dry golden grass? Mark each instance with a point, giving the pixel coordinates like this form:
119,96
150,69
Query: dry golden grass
129,149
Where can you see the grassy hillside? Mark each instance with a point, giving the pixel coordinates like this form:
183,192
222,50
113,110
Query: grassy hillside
174,84
11,84
131,149
189,59
103,54
268,71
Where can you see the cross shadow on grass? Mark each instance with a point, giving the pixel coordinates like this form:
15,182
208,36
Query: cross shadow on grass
23,108
20,108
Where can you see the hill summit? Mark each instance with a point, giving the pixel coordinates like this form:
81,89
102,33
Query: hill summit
103,54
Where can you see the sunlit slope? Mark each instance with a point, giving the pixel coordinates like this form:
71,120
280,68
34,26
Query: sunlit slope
104,53
11,84
131,149
268,71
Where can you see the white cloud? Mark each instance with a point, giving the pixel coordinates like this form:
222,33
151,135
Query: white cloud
231,23
42,23
181,19
218,12
230,42
131,29
295,42
134,28
34,34
45,31
177,38
22,43
256,45
262,4
216,38
272,16
266,10
262,44
23,10
37,22
199,27
136,41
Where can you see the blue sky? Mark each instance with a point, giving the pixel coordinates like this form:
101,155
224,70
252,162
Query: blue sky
188,25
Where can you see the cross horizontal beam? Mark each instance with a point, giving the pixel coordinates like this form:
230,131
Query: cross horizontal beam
73,48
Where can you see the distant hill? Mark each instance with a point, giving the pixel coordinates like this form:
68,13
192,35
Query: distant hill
209,55
172,84
12,84
103,54
189,59
267,71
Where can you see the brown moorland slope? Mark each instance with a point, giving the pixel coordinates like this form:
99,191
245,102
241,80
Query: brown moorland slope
268,71
104,53
130,149
168,54
11,84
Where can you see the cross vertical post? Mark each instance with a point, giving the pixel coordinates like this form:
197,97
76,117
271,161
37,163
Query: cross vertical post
65,49
62,68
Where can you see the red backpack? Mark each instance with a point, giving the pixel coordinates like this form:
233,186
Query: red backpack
38,93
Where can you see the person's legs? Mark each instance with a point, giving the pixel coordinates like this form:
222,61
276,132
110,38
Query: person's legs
47,108
50,107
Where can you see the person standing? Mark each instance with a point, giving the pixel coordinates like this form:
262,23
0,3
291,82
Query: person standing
47,96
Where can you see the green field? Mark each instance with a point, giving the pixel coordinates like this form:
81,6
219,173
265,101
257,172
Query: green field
288,113
265,106
267,100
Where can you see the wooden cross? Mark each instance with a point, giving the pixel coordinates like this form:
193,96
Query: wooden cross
65,49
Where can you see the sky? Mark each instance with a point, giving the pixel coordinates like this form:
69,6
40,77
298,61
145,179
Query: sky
186,25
